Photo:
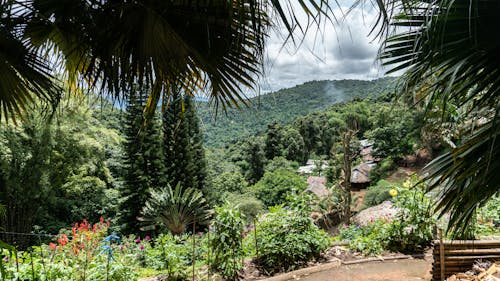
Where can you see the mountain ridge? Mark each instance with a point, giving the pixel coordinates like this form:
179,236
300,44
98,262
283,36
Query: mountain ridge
283,106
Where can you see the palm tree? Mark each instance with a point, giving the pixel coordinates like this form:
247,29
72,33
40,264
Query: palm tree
215,46
24,74
452,63
174,209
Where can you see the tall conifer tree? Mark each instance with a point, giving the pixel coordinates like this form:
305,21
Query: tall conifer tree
143,161
183,143
196,143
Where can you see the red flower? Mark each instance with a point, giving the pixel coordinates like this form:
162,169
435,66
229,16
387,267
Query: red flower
62,240
52,246
101,219
84,225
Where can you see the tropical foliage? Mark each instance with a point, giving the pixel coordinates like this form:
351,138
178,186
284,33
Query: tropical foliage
65,163
227,242
115,45
288,239
175,209
452,67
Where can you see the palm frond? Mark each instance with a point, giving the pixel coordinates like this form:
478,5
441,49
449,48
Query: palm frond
452,62
25,76
210,46
467,176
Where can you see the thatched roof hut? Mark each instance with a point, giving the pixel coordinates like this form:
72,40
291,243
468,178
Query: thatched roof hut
360,175
317,185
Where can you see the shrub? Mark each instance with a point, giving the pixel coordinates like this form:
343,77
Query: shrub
383,169
249,206
224,184
287,240
368,240
170,253
411,230
226,242
274,187
377,194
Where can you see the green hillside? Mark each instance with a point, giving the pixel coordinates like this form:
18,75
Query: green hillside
283,106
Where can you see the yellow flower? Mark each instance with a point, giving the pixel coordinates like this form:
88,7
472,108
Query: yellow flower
407,184
393,192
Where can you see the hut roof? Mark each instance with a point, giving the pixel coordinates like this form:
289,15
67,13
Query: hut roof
361,173
317,185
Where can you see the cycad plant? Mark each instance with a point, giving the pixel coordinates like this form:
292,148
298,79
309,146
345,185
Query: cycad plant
175,209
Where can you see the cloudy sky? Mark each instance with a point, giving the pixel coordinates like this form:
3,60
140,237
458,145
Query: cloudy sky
342,50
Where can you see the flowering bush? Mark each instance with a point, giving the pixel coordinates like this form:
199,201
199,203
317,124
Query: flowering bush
411,230
84,253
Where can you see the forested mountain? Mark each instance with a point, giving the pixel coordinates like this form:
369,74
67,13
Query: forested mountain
283,106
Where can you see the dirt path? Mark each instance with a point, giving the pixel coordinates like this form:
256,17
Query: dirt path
397,270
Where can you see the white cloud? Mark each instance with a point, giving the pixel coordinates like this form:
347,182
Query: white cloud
342,50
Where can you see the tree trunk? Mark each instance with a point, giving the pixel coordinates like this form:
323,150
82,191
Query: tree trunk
346,143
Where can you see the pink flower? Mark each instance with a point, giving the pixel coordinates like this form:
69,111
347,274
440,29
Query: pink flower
147,238
6,259
142,247
138,240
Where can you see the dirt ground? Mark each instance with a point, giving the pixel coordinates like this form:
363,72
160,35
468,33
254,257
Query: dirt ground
396,270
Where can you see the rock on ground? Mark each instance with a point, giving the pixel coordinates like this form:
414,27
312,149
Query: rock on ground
382,211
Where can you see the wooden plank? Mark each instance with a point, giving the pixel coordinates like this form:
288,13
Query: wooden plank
471,252
462,243
478,257
441,254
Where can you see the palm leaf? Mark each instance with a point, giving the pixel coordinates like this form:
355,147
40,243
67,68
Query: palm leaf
467,176
210,46
451,61
25,76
